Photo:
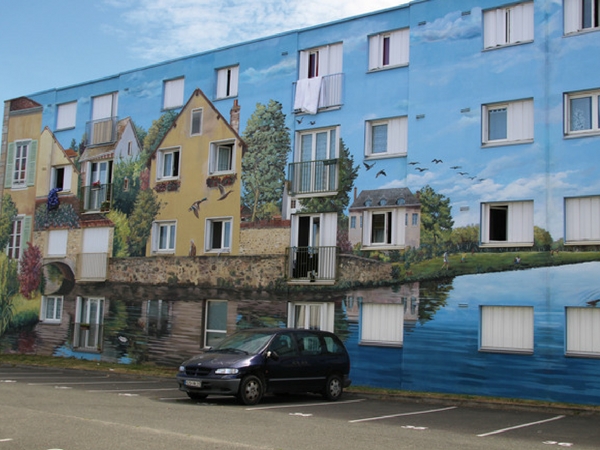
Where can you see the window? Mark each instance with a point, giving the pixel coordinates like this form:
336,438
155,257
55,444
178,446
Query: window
218,235
382,324
387,137
384,228
60,178
319,79
507,224
20,164
389,49
510,122
66,115
508,25
582,112
57,242
196,126
51,309
168,164
311,316
581,15
506,329
89,318
227,82
222,157
173,93
352,221
583,332
104,114
215,327
158,315
19,236
582,220
164,237
415,219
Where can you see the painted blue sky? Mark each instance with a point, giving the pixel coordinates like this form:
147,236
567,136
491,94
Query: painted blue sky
55,44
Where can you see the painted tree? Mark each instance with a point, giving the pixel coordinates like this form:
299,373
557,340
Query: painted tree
157,131
144,212
8,212
9,286
30,273
263,165
436,219
465,238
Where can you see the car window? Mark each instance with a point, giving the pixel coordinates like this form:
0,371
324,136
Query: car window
283,345
245,341
309,344
333,346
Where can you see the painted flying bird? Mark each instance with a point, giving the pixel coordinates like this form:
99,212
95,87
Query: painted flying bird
593,302
413,163
472,178
481,179
421,169
196,207
456,167
312,122
437,161
381,172
463,173
368,166
224,193
300,120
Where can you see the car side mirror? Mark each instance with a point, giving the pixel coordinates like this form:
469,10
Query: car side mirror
272,355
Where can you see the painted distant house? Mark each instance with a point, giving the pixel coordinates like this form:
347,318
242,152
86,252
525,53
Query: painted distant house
488,108
385,219
196,172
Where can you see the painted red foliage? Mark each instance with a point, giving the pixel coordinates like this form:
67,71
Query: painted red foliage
30,272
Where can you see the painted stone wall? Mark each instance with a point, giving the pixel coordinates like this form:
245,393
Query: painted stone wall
265,238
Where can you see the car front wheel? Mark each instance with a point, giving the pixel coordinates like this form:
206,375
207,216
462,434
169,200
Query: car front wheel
333,388
251,390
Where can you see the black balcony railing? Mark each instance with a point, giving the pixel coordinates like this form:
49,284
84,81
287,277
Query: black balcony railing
102,131
96,197
311,264
314,177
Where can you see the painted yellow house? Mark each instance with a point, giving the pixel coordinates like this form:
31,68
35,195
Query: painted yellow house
196,173
20,161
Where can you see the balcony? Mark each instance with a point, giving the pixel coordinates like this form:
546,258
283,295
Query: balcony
314,178
311,264
96,197
102,131
330,92
92,267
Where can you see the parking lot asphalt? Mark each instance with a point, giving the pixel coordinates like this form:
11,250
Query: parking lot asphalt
49,408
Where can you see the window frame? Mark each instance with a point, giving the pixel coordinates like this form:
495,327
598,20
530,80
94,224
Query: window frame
160,167
382,324
170,236
19,236
195,112
501,25
209,342
594,95
520,122
394,229
323,321
57,309
173,93
66,116
573,13
226,235
396,43
582,332
519,224
396,137
66,177
498,332
228,82
214,157
93,327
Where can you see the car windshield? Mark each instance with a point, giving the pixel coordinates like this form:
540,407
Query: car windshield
250,342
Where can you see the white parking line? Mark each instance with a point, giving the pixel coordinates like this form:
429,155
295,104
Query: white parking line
520,426
90,382
305,405
403,414
132,390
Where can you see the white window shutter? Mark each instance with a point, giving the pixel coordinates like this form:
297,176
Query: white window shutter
235,75
398,135
95,240
489,29
485,223
367,225
572,15
527,22
304,55
521,124
375,61
66,116
57,242
520,222
334,56
399,47
399,227
102,107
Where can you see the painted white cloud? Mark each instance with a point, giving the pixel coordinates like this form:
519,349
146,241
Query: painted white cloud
165,29
453,26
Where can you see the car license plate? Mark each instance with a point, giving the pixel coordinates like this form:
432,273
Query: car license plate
193,383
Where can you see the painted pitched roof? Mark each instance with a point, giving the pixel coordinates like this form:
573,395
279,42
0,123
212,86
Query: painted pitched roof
106,151
384,198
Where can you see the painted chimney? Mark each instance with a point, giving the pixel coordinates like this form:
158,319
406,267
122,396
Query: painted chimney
234,119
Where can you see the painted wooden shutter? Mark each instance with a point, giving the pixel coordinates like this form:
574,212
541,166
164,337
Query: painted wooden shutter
31,160
25,232
10,165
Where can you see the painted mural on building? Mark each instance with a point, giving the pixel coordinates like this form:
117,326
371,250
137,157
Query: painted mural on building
450,145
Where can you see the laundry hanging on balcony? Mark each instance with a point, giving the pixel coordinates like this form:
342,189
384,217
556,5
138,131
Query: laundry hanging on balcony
53,201
308,91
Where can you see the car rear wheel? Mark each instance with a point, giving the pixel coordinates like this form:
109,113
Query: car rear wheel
196,396
333,388
251,390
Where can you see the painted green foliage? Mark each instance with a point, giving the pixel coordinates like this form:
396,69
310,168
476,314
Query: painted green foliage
9,286
436,218
263,165
8,212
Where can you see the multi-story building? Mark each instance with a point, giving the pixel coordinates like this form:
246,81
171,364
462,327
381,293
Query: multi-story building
464,118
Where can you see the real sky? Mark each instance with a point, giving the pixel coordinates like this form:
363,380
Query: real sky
48,44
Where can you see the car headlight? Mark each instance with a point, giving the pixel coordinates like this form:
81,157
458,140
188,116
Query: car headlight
182,368
226,371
